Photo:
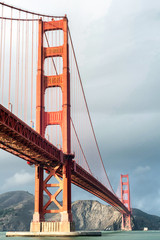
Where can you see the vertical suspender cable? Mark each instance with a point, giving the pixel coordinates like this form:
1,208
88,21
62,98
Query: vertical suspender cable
47,91
16,75
56,91
17,67
26,73
4,47
10,65
22,71
60,143
1,46
70,63
52,99
47,71
32,74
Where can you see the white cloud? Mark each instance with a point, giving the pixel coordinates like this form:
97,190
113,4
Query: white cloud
18,179
142,169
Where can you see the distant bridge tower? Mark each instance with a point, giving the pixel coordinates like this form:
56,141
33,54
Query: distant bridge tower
125,198
61,118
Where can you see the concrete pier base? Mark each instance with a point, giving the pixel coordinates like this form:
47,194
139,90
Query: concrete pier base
52,227
52,234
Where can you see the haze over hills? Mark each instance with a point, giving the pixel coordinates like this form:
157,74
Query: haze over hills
16,210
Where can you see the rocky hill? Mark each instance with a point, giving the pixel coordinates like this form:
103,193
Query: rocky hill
142,219
92,215
16,210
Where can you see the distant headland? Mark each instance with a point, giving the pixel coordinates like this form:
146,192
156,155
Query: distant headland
16,211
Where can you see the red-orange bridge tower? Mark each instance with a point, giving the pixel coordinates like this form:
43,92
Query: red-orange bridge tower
61,118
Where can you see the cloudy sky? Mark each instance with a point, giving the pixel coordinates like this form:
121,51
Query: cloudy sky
117,45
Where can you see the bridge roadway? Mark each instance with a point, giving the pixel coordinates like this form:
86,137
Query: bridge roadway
21,140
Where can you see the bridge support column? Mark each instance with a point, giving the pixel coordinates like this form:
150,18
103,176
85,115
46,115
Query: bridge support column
66,214
126,223
64,208
63,186
38,215
125,198
66,224
61,118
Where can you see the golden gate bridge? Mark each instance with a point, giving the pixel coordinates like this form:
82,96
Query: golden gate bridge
44,116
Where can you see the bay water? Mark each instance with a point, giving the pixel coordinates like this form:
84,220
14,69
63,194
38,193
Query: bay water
134,235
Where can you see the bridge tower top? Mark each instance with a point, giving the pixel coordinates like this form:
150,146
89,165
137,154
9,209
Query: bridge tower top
62,118
125,191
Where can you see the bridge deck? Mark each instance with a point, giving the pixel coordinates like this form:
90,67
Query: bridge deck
21,140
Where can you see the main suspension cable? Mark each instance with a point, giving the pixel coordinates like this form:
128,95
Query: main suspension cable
26,11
